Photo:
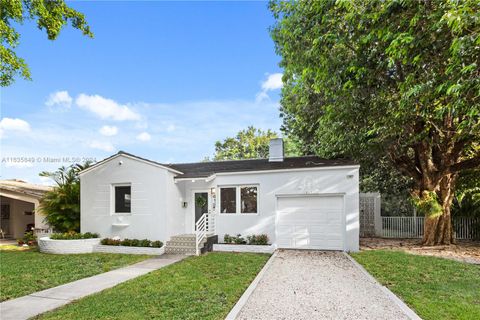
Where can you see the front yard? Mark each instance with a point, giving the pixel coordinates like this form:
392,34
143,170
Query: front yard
204,287
435,288
26,271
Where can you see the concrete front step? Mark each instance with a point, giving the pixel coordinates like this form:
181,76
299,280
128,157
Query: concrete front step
181,250
184,244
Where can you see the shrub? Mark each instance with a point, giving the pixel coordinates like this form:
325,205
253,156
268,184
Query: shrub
261,239
145,243
126,242
72,235
227,238
157,244
239,240
132,243
110,242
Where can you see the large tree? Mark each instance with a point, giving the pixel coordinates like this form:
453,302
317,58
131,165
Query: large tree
396,81
49,15
251,143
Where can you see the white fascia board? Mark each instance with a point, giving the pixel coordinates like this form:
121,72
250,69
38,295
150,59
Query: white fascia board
289,170
100,163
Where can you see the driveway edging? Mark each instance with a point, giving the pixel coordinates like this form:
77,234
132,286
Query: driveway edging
232,315
402,305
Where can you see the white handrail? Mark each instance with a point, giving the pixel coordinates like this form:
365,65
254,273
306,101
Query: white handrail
201,231
204,226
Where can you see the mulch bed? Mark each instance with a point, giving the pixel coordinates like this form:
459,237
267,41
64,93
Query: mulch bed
463,250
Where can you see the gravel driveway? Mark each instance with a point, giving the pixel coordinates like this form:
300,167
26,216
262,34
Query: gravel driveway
317,285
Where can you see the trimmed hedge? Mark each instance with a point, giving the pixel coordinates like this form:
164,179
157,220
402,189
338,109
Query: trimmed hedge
132,243
260,239
74,236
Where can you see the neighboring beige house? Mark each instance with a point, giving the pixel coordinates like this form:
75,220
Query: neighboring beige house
20,208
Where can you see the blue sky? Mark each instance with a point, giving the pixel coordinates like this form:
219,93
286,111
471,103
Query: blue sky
162,80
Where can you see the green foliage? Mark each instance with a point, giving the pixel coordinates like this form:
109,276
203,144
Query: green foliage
132,243
251,143
203,287
427,204
27,271
61,206
234,239
261,239
227,238
50,16
72,235
28,238
435,288
467,196
383,81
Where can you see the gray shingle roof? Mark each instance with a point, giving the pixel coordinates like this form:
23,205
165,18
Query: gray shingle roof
208,168
205,169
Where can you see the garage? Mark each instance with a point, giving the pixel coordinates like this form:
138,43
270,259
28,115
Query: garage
310,222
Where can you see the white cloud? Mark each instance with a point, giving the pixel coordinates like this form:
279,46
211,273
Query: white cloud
108,131
59,99
262,96
144,136
106,108
15,125
171,128
105,146
273,82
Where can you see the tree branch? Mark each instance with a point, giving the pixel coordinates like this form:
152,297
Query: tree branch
466,164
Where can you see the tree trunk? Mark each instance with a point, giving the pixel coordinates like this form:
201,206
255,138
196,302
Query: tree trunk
438,229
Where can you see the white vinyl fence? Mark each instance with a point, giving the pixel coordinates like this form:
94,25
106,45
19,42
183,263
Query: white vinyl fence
412,227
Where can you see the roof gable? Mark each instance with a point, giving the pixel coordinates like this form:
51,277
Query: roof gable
129,156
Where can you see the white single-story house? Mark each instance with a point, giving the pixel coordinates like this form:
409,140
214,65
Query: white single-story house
299,202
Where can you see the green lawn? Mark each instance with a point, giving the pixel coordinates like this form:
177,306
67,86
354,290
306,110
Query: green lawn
435,288
26,271
204,287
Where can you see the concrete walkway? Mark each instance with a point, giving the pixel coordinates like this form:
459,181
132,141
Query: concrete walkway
39,302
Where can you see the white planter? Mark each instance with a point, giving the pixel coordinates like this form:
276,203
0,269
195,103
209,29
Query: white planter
47,245
129,250
244,248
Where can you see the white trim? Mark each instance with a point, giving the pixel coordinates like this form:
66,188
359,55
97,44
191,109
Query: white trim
112,199
213,176
238,199
288,170
209,204
102,162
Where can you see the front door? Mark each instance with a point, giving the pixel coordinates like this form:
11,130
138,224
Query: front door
201,205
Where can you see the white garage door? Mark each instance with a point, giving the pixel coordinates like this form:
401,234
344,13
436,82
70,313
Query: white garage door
310,222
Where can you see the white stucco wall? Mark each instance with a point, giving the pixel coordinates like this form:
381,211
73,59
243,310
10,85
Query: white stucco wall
322,181
157,211
150,187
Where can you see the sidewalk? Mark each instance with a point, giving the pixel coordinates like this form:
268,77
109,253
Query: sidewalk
39,302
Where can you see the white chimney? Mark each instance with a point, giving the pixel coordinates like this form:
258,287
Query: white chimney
275,151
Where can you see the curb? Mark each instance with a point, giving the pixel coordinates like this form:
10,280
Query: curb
406,309
232,315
